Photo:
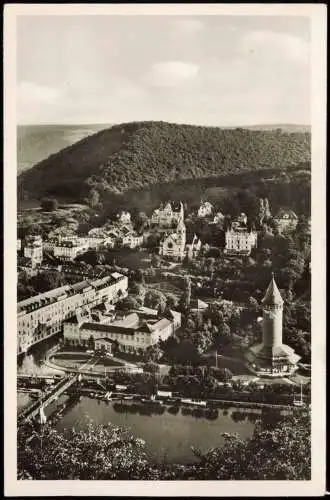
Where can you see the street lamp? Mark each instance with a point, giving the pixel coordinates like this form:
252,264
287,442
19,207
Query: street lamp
216,358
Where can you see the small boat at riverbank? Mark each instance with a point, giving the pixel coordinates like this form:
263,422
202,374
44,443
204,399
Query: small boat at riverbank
194,402
151,401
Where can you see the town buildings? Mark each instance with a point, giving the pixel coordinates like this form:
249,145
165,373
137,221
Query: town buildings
133,333
42,316
205,209
271,357
286,220
119,233
218,218
124,217
33,250
104,345
69,249
240,241
168,216
240,221
132,240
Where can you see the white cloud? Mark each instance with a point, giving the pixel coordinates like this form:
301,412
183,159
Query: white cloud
171,73
188,26
30,92
35,101
266,43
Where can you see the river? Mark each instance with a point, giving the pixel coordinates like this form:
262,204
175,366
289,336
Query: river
168,437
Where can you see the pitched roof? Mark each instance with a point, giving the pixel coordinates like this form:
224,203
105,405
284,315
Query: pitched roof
106,339
72,320
191,238
176,206
272,296
286,214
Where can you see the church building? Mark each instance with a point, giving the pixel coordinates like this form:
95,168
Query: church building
168,216
272,358
173,244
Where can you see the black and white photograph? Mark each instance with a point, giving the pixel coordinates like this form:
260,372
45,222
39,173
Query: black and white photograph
165,190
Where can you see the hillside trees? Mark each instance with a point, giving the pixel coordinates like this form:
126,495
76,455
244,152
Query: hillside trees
110,163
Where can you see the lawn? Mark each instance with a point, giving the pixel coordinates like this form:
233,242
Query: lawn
106,361
165,287
131,358
76,356
132,259
237,367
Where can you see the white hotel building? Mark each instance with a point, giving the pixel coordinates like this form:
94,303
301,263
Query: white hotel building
134,333
42,316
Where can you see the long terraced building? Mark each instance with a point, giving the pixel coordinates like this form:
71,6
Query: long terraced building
42,316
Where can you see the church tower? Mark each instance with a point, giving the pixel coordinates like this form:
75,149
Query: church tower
181,236
272,358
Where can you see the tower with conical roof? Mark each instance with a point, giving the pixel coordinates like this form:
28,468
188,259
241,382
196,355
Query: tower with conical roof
272,315
271,357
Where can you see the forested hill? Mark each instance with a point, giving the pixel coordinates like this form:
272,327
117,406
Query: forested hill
136,155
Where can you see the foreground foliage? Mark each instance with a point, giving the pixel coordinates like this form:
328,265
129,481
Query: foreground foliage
274,452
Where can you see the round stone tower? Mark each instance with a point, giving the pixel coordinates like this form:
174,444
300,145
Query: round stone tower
272,358
272,316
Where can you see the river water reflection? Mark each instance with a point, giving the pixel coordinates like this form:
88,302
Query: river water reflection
167,436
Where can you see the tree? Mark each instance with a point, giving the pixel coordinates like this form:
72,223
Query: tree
93,198
127,304
186,296
49,204
171,301
139,290
281,453
140,220
139,276
222,374
155,260
45,281
154,298
99,452
91,257
186,353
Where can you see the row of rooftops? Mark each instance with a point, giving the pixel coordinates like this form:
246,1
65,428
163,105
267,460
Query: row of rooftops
139,321
66,291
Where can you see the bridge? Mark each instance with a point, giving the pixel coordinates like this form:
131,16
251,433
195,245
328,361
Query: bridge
54,392
23,377
50,395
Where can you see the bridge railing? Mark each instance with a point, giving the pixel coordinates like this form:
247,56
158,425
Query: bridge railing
62,385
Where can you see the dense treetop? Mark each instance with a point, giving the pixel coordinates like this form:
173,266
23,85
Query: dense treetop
275,452
136,155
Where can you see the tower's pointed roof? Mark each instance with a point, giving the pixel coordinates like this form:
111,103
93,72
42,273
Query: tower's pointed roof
272,296
180,224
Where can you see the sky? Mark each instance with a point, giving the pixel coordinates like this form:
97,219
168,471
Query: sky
205,70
